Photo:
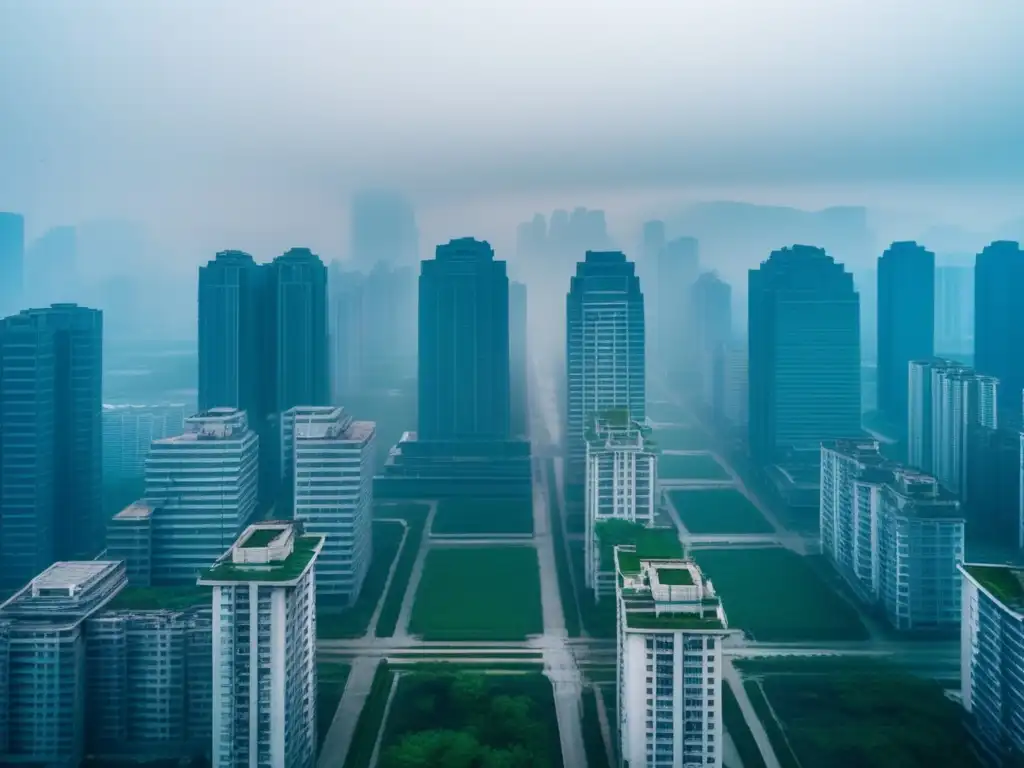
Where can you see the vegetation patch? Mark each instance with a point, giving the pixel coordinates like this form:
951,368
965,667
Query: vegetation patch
776,595
593,739
415,516
470,720
160,598
718,511
737,728
483,517
330,685
690,466
681,439
478,593
360,751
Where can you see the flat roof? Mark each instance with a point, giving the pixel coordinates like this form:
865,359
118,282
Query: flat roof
1004,582
71,575
160,598
263,536
675,576
136,510
284,572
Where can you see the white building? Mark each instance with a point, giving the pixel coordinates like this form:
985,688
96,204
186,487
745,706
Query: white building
128,433
895,534
332,459
671,626
621,484
992,657
961,400
264,649
203,488
919,410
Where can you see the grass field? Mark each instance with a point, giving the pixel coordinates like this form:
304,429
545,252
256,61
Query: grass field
868,715
360,752
330,685
718,510
416,517
690,466
478,593
483,517
775,595
736,726
593,740
681,439
353,622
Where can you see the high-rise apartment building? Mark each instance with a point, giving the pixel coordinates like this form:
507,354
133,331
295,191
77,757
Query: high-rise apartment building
992,653
919,410
671,627
894,534
954,310
517,356
710,326
605,342
999,321
961,400
203,487
678,266
332,460
906,322
129,432
804,345
621,484
44,624
12,263
51,452
264,648
464,344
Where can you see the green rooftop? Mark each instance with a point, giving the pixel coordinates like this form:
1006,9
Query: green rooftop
160,598
650,543
675,577
1004,582
262,537
672,621
289,569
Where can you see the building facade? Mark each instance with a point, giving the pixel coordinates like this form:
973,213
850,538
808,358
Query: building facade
919,410
961,401
729,398
998,322
678,267
954,310
711,326
518,374
129,432
264,649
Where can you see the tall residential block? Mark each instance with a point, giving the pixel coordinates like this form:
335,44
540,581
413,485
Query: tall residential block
605,342
961,401
804,346
999,321
203,487
906,322
264,648
671,626
12,263
919,410
129,432
621,484
517,355
464,344
894,534
954,310
332,459
51,452
46,661
678,266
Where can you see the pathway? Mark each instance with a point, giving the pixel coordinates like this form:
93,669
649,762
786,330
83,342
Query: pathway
733,680
401,629
371,628
343,726
383,720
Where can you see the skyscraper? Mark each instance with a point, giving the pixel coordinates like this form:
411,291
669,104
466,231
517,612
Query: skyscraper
954,310
517,359
906,322
383,227
12,262
678,264
961,400
129,432
919,410
605,343
710,325
464,344
297,283
345,297
51,379
804,346
999,321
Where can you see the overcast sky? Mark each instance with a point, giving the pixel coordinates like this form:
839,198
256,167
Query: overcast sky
217,115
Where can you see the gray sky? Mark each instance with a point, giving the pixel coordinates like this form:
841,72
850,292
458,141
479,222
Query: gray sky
219,118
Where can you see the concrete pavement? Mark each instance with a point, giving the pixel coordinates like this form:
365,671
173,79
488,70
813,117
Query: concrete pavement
764,744
343,727
401,629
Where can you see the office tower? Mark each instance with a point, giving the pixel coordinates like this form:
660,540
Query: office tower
202,485
730,399
47,676
297,283
383,229
264,650
804,343
12,260
671,627
992,493
464,344
894,534
604,349
622,484
517,363
999,322
234,365
954,310
710,326
51,268
961,401
390,305
678,265
346,332
130,541
906,322
51,363
129,432
332,459
992,648
919,410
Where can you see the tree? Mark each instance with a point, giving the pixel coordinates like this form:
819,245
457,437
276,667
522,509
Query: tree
427,749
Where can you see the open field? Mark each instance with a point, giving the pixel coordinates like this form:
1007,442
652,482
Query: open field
483,517
416,516
718,510
775,595
690,466
478,593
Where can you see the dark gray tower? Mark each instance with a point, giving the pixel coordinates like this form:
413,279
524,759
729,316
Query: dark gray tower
999,323
678,265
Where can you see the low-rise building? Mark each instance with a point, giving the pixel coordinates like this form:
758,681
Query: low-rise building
130,540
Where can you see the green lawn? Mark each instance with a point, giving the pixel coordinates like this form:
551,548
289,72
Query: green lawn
736,726
690,466
718,510
775,595
330,685
483,516
360,752
681,439
598,618
478,593
593,740
416,517
872,717
353,622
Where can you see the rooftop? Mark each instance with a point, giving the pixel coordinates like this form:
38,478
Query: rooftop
67,591
159,598
666,594
1004,582
261,537
137,510
272,552
646,542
